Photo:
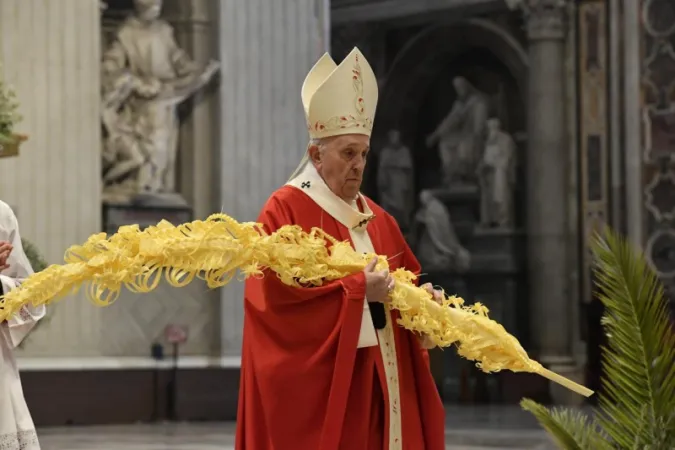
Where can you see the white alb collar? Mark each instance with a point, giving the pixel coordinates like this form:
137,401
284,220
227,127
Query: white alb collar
311,183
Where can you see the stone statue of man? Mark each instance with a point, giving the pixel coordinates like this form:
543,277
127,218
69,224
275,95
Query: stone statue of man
395,179
436,244
496,174
460,136
162,76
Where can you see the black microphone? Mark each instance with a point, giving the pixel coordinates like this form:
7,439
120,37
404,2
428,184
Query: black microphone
378,315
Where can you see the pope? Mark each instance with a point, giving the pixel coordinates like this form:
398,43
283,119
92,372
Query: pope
328,368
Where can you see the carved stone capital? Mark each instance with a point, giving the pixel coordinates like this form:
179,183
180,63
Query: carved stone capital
545,19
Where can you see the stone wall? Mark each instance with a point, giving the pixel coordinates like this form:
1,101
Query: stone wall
50,52
267,47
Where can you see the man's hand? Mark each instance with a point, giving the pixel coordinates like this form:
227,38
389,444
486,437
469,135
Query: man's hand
378,284
438,297
437,294
5,250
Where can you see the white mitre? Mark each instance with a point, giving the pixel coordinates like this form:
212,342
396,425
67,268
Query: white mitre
339,99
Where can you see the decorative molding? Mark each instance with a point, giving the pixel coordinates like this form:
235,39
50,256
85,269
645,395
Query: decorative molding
545,19
659,196
655,163
29,364
383,10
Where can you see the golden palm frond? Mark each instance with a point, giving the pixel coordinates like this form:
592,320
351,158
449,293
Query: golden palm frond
216,249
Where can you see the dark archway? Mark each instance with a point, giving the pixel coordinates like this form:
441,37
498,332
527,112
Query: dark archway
416,95
417,91
424,57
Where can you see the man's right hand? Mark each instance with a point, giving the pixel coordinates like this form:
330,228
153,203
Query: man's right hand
378,284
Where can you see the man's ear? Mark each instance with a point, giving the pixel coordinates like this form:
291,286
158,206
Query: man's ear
314,153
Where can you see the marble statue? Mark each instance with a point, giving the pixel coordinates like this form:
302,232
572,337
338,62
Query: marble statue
496,175
395,179
461,134
146,75
436,244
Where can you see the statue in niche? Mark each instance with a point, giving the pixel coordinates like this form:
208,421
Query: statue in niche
395,179
496,175
436,244
146,75
460,136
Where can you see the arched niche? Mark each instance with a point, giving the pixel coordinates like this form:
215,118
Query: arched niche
418,92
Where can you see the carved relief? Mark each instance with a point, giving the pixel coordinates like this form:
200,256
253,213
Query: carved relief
658,78
660,198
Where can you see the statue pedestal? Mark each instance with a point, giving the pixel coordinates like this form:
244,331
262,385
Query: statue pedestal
463,203
116,215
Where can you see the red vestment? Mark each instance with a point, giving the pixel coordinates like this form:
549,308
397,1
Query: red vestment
304,383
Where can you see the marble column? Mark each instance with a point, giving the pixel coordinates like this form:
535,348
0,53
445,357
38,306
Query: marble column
266,47
196,23
51,54
548,168
633,116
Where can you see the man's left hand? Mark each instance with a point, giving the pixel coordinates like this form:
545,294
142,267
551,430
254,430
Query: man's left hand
5,250
438,297
436,293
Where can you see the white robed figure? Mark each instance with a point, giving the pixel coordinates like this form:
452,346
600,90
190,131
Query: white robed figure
17,431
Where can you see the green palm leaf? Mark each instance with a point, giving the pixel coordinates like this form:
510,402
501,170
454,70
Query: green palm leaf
571,430
637,406
639,370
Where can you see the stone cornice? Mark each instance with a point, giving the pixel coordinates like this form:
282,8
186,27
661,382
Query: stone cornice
545,19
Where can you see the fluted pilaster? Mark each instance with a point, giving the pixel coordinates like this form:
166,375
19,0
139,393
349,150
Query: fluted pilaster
267,47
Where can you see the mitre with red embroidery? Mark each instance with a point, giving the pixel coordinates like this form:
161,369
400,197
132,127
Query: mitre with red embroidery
340,99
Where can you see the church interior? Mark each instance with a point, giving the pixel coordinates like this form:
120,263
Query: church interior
508,133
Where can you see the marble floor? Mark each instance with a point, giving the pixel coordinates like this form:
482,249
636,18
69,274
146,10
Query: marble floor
489,428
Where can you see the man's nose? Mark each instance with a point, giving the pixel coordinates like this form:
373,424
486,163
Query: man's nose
360,163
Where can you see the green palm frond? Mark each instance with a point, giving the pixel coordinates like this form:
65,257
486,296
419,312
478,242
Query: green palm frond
637,406
638,362
571,430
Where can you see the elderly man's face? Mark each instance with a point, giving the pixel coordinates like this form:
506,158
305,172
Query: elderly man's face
148,9
340,161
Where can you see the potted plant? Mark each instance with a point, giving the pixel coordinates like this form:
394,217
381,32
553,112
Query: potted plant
36,260
10,141
38,263
637,404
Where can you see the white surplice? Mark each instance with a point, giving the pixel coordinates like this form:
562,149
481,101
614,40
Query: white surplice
17,431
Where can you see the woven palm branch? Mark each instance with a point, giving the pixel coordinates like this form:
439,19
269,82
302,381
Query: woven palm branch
637,403
217,249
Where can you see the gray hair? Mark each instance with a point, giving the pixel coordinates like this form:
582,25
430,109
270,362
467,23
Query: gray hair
319,142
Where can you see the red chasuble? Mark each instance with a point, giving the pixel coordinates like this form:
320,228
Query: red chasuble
305,384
